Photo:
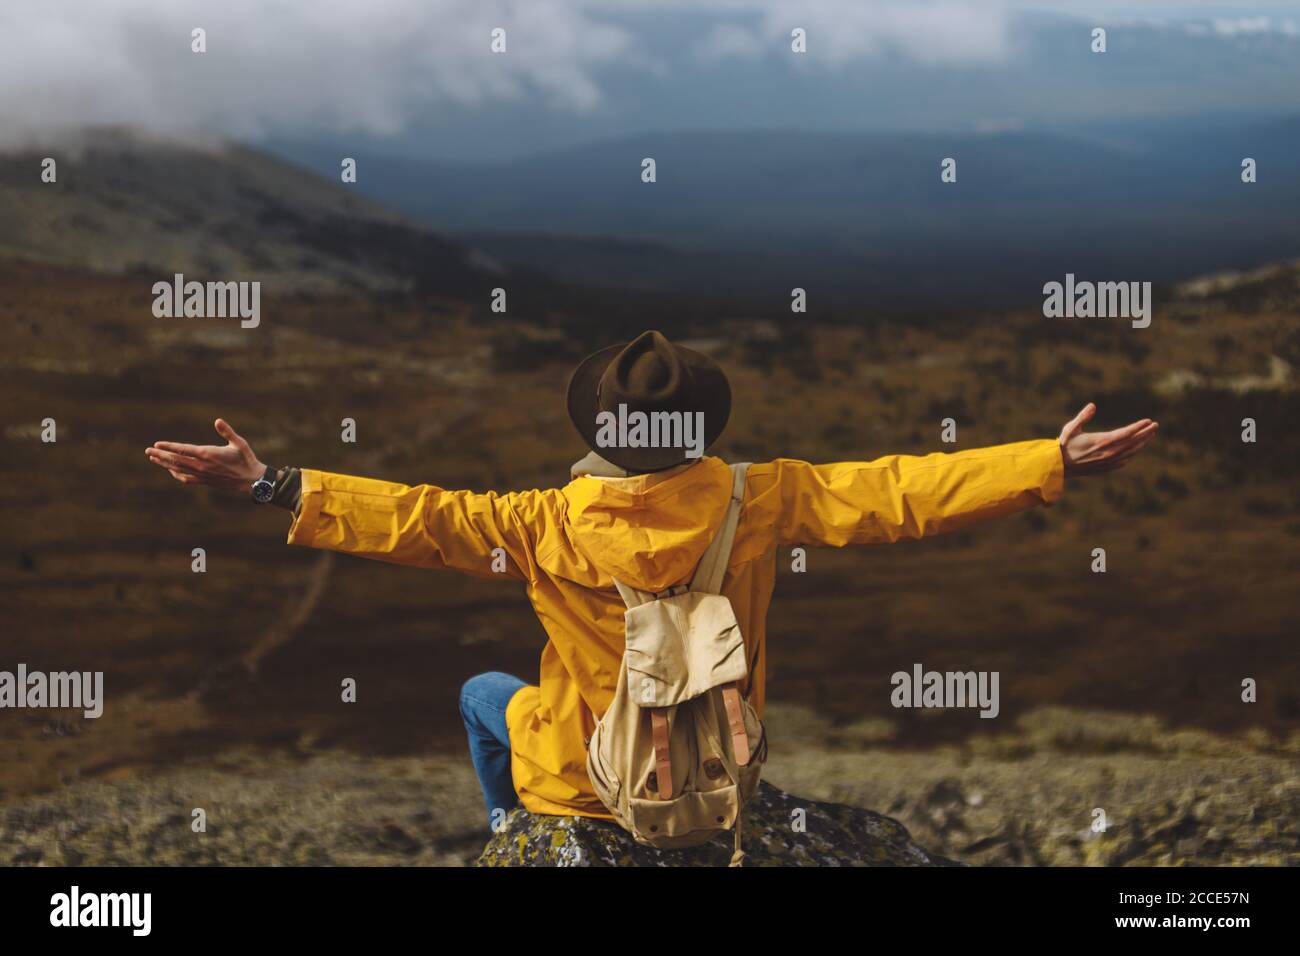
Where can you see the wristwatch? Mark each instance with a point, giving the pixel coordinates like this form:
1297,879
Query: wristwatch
264,487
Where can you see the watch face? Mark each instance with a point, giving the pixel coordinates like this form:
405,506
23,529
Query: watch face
263,490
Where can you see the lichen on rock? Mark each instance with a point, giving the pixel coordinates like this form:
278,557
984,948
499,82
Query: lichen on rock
777,829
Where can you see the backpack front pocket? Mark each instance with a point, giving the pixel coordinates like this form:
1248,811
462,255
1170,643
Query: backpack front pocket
679,647
687,820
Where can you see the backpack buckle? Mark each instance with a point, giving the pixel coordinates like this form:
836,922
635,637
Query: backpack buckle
673,591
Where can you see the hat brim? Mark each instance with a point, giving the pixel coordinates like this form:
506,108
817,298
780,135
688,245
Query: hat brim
712,397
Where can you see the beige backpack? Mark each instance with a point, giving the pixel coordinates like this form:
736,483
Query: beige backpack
680,750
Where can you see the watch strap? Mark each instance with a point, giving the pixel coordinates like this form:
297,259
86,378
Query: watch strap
288,489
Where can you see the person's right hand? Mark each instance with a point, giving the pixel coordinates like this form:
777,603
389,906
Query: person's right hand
232,465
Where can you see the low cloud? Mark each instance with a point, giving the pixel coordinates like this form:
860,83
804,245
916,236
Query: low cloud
941,32
938,32
299,66
378,67
291,65
1249,26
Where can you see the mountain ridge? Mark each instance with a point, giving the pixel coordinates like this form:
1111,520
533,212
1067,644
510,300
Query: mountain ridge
865,216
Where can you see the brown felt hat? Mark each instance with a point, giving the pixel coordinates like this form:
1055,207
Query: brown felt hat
648,374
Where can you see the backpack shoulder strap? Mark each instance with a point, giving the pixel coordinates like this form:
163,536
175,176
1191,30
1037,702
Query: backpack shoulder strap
631,596
713,566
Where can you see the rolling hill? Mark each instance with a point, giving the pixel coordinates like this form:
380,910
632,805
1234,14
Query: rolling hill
127,203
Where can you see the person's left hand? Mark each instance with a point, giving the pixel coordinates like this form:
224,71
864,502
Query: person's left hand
1091,453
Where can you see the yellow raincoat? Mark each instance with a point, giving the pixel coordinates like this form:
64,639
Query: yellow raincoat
650,530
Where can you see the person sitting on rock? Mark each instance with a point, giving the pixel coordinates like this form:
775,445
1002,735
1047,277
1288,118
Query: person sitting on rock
642,510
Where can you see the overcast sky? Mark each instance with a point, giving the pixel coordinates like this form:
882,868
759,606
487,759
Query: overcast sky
419,70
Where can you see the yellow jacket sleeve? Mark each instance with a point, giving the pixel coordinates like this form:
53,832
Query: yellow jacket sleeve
905,496
424,526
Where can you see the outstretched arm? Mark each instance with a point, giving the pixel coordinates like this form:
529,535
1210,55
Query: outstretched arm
906,496
425,526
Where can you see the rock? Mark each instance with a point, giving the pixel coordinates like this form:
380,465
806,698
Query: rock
832,835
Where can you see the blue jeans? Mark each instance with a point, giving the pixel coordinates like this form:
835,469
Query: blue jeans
483,702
